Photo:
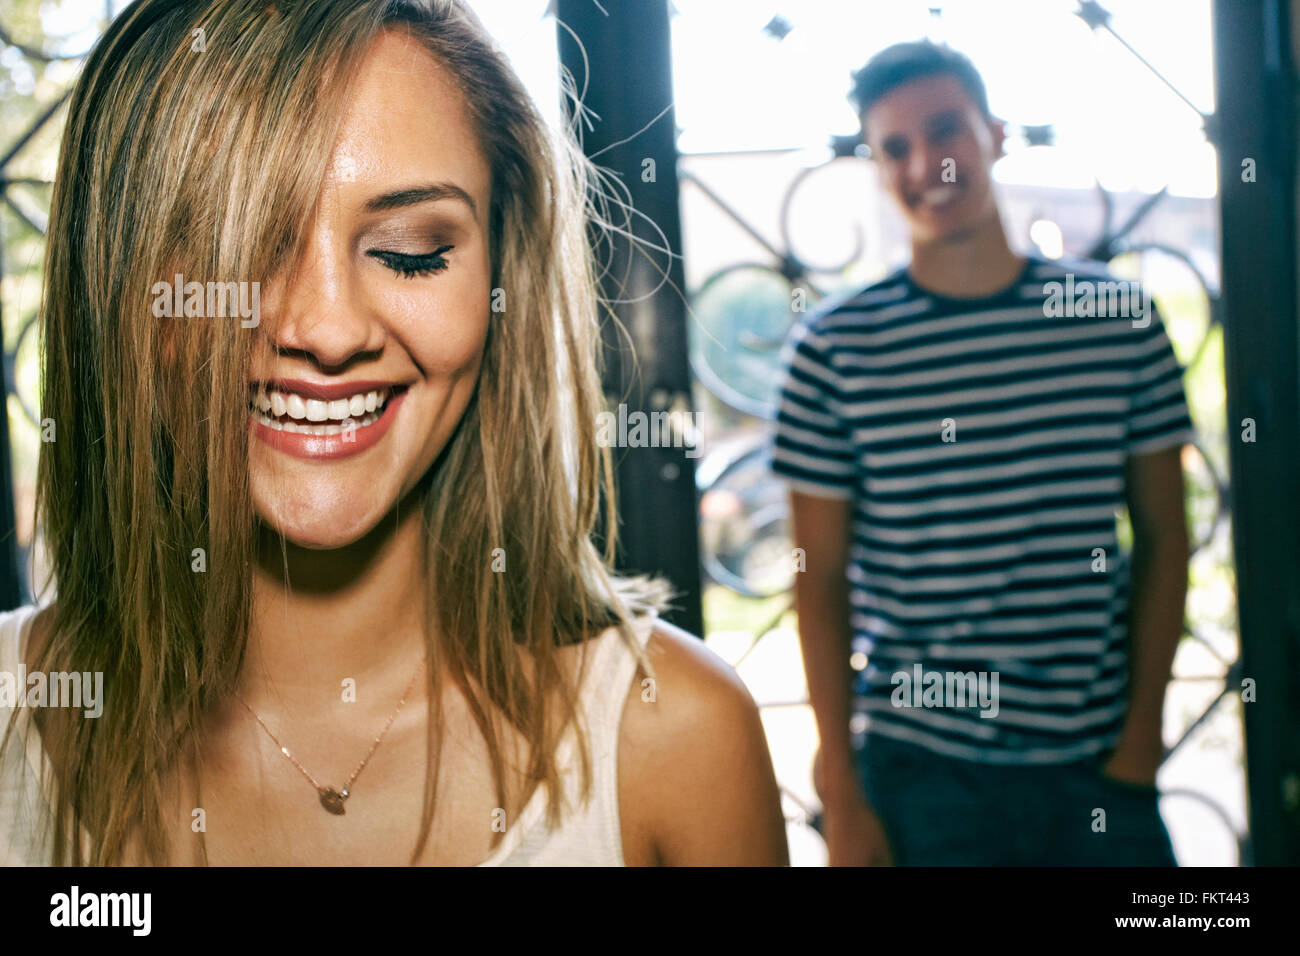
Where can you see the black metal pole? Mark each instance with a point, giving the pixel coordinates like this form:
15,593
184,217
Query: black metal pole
12,592
1255,132
628,77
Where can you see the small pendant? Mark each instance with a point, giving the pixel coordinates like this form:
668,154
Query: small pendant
332,800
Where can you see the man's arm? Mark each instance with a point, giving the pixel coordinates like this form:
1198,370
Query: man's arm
1158,591
821,593
854,834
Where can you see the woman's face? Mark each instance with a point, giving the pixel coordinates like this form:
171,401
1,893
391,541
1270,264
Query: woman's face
378,337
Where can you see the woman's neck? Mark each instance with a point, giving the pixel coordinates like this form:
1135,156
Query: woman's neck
322,616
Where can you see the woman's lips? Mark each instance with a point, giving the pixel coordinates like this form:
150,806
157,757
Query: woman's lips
330,447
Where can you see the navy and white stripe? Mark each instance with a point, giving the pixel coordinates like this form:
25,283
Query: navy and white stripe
977,554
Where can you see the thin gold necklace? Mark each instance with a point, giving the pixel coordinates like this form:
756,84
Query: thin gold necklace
330,798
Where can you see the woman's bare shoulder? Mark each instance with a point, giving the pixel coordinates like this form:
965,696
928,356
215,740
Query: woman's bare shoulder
696,677
24,632
695,775
39,635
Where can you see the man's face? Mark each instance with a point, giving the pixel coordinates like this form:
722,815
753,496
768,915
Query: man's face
935,151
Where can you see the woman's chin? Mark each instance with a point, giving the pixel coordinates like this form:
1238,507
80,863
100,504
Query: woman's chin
322,529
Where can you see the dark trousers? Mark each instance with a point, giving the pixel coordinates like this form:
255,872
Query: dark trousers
940,811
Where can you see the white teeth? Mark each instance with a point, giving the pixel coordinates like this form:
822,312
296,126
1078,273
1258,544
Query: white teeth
333,428
939,195
289,412
280,404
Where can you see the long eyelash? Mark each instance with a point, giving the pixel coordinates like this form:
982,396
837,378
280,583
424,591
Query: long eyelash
407,266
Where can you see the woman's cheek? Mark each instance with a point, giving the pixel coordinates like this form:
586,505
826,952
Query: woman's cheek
445,331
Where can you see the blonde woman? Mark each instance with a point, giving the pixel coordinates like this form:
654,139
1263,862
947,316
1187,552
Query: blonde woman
331,550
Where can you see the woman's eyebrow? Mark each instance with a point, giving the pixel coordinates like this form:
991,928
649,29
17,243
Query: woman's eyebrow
419,194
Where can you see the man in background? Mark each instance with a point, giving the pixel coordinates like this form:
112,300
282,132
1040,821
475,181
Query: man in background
958,438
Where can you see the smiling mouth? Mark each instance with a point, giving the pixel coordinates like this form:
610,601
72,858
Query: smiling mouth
938,196
295,413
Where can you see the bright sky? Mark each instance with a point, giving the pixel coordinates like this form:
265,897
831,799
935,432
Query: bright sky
738,88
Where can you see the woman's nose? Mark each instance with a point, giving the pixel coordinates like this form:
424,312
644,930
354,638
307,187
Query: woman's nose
324,310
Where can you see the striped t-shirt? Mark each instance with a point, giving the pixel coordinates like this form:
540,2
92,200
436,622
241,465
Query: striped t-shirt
982,443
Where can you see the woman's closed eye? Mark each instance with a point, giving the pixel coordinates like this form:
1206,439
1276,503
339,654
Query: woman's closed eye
409,266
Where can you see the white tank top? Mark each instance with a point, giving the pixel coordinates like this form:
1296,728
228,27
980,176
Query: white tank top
588,835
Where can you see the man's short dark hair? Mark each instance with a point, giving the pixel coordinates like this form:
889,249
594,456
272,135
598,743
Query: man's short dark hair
905,62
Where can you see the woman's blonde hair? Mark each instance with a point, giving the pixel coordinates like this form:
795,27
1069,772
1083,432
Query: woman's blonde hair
204,154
